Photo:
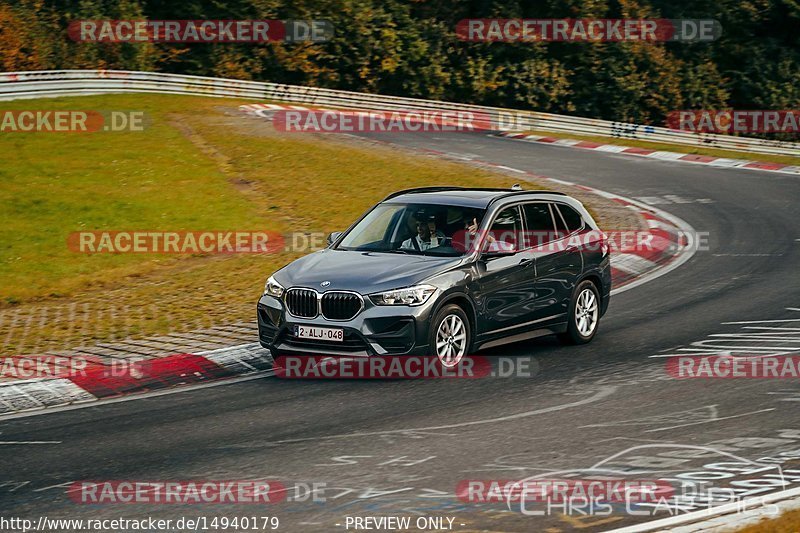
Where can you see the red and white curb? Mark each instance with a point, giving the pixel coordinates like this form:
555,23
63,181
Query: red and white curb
666,239
264,111
99,381
722,162
267,110
260,110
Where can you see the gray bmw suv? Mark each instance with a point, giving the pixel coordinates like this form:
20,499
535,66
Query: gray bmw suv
443,271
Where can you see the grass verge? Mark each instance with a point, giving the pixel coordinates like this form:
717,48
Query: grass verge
786,523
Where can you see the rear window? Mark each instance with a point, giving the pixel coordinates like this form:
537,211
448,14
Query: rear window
572,218
539,224
537,217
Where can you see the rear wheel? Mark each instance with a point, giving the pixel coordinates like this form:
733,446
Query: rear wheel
450,335
584,314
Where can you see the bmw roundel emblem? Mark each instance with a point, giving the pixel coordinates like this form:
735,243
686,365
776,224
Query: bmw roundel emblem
324,283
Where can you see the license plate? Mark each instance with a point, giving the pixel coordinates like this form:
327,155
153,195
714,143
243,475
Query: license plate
319,334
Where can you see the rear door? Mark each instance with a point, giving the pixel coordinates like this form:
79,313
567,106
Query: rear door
557,257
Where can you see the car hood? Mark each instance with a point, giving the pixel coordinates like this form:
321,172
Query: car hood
363,272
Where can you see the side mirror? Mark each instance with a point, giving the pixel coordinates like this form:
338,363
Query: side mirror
333,236
489,254
498,249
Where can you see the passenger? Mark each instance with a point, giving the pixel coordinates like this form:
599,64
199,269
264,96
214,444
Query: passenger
491,244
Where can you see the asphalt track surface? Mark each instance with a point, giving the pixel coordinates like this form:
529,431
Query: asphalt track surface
409,443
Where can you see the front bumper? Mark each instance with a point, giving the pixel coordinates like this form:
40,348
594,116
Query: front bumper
376,330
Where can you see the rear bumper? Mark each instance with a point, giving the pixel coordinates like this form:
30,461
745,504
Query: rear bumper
605,275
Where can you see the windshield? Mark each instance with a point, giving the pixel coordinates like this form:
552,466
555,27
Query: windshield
420,229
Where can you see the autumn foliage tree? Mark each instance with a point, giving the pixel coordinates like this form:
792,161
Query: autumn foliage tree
411,49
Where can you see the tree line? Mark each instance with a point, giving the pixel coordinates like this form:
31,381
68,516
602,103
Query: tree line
410,48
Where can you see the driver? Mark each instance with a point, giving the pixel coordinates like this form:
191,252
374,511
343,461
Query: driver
427,236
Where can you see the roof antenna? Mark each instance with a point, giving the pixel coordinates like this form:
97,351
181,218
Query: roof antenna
516,187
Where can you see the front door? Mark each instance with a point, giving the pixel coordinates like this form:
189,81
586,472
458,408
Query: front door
506,279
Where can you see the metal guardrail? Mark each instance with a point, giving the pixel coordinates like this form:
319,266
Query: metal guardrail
53,83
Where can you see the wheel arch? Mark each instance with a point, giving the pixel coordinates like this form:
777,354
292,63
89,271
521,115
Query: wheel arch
596,277
467,305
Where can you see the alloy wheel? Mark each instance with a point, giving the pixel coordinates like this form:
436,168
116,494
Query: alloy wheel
586,312
451,340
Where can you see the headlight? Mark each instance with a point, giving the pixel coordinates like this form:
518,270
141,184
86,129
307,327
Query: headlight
273,288
409,296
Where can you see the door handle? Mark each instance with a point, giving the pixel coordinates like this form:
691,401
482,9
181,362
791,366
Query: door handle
526,261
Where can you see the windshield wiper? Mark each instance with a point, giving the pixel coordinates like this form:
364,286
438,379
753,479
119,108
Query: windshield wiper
403,251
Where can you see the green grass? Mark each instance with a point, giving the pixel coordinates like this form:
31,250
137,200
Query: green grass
680,148
56,183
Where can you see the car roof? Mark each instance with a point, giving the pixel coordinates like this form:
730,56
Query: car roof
465,197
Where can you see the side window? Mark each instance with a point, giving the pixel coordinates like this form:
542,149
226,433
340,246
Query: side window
539,224
505,230
571,217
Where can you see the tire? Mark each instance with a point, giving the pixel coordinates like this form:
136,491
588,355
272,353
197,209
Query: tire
584,314
451,326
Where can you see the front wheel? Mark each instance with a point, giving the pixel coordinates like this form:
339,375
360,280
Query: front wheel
584,314
450,335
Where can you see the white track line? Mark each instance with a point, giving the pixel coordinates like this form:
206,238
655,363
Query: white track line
710,421
602,393
136,396
26,442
